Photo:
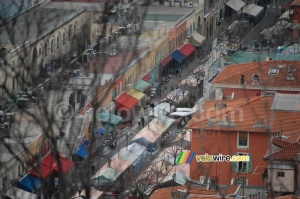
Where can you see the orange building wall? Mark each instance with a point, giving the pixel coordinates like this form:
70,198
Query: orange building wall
223,142
244,93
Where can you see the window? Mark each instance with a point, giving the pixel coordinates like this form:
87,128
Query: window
270,93
46,49
117,90
70,32
273,71
243,139
280,174
64,38
121,87
243,166
52,45
40,51
113,94
57,42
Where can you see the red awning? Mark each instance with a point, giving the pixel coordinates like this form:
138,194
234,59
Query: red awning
50,161
41,171
166,60
126,101
187,50
147,77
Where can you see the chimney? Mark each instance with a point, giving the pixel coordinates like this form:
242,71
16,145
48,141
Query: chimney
242,79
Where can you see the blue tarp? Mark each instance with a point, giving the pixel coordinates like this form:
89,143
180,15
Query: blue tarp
29,183
82,151
178,56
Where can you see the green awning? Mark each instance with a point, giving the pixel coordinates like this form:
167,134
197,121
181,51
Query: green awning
109,128
141,86
109,118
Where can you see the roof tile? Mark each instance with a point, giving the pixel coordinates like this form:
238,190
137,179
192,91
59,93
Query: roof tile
232,74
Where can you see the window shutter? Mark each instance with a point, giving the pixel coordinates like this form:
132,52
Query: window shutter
250,163
235,165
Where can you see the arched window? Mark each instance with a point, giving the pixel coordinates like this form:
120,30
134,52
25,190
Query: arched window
52,45
57,42
70,32
75,30
64,38
46,49
40,51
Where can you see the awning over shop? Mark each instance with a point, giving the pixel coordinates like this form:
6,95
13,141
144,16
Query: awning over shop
252,9
108,175
109,118
187,50
136,94
146,136
94,194
166,60
147,77
141,86
50,161
178,56
16,193
82,151
127,101
109,128
42,170
237,5
29,183
197,39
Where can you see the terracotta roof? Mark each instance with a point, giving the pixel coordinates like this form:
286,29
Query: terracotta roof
280,142
245,114
293,136
229,191
196,192
164,193
287,153
112,65
287,197
232,74
295,3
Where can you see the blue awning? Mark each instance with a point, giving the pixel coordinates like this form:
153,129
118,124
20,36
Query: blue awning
82,151
178,56
30,183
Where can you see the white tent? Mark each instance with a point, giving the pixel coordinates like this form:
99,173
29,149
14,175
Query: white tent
161,109
181,114
16,193
176,95
184,109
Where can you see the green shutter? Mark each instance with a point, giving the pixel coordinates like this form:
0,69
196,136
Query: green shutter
250,163
235,165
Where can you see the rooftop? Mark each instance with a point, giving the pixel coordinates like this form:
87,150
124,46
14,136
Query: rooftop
115,64
287,153
245,113
231,75
34,24
247,57
295,3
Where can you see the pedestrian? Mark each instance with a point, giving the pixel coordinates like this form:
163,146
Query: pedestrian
143,121
178,123
182,123
268,49
180,71
139,122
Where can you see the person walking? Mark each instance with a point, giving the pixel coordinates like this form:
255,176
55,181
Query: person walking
178,123
182,123
143,121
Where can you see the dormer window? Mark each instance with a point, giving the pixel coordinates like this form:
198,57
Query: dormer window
273,71
242,81
255,79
